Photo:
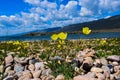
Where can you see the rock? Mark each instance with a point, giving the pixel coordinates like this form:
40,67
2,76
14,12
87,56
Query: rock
24,78
9,78
110,68
106,71
87,64
97,63
8,59
117,77
2,51
36,74
107,74
8,68
31,67
112,77
18,68
100,76
46,72
50,77
91,75
77,63
11,53
60,77
115,63
35,79
116,68
96,70
11,72
1,68
43,77
33,61
26,74
19,74
86,53
68,59
103,61
23,61
82,77
114,58
57,58
39,65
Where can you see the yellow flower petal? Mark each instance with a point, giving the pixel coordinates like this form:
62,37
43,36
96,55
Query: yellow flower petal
86,30
54,37
62,35
58,45
103,42
61,41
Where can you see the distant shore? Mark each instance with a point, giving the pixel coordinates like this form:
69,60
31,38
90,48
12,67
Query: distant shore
74,32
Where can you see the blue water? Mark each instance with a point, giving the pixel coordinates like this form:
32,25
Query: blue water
70,36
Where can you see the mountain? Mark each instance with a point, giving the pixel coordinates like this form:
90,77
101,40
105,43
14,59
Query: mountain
108,24
42,32
101,24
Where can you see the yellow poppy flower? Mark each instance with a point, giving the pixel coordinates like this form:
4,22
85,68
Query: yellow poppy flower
9,42
102,42
62,35
19,48
54,37
58,45
16,43
61,41
86,30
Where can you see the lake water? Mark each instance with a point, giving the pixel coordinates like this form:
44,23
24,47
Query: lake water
70,36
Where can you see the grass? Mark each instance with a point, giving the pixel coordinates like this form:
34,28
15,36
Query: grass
47,49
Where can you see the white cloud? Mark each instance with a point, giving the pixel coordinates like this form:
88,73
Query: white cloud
44,12
33,2
85,12
99,7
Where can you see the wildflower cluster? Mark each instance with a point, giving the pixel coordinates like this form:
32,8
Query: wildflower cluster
17,45
61,37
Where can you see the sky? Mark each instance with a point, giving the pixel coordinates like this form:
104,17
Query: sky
19,16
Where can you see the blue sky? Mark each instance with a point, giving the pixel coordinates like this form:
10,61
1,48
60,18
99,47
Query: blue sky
18,16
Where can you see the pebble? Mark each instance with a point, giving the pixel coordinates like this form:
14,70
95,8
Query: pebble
115,63
57,58
26,74
18,68
11,53
35,79
60,77
96,70
39,65
97,63
76,63
9,78
36,74
46,72
110,67
103,61
87,64
100,76
1,68
82,77
91,75
116,68
31,67
8,59
114,58
33,61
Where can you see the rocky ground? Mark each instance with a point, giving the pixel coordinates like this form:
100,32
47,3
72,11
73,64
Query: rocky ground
87,67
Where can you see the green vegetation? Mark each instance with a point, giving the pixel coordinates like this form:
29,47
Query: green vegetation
48,49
